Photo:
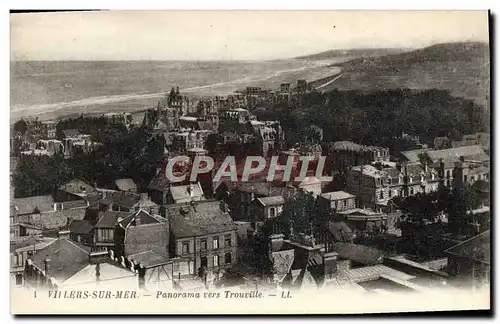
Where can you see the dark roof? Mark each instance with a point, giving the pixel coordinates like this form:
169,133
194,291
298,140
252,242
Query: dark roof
59,219
122,199
71,132
66,258
77,187
27,205
74,204
263,189
143,216
413,155
159,182
126,184
476,248
80,226
146,237
359,253
198,218
108,219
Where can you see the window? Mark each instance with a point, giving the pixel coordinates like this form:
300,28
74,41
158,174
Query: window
390,193
106,234
227,240
448,173
185,247
411,179
432,176
216,242
472,179
411,190
345,203
19,279
227,258
204,262
272,212
216,260
465,178
381,195
203,245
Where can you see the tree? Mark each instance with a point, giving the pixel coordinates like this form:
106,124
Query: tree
21,127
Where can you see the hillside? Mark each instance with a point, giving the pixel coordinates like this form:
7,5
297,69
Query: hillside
353,53
461,68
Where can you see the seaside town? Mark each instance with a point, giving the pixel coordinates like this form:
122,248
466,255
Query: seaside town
92,206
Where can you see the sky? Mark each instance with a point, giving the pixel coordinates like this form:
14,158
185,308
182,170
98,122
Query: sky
231,35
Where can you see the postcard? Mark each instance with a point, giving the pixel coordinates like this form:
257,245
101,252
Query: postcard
249,162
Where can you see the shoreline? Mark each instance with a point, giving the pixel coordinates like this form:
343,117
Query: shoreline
139,102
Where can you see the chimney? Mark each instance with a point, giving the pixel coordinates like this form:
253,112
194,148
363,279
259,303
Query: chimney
276,241
63,234
191,189
329,264
46,265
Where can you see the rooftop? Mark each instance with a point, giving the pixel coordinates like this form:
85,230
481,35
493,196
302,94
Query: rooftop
271,201
473,152
337,195
66,258
126,184
198,218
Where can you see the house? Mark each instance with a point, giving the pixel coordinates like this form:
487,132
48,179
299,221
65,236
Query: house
127,202
24,229
81,231
376,186
203,232
366,220
159,188
336,201
266,207
141,232
302,262
186,193
126,185
466,172
104,229
64,264
20,250
310,184
470,260
34,214
241,194
345,153
453,164
76,190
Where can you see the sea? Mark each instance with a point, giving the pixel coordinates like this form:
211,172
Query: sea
54,89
